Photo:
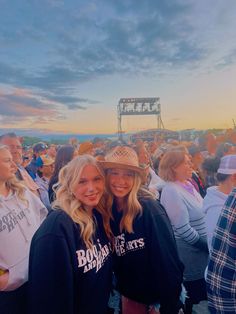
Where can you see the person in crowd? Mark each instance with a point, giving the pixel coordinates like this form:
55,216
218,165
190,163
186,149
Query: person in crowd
64,154
43,176
231,136
152,146
143,154
216,195
221,272
225,149
26,156
70,258
158,154
21,213
99,154
197,177
98,143
151,180
211,143
209,170
13,143
36,162
52,151
74,142
147,267
211,164
183,205
86,148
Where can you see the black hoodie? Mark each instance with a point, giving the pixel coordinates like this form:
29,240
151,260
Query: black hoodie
147,265
64,276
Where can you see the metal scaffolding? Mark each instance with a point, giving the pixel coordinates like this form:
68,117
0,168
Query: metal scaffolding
139,106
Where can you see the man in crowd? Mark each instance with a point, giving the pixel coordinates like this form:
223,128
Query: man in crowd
221,275
217,195
43,176
12,141
36,162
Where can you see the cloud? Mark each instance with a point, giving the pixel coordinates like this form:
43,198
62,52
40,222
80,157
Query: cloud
87,44
101,38
175,119
52,84
20,105
227,60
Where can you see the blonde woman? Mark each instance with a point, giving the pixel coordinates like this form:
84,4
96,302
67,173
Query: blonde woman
70,259
183,205
147,267
21,213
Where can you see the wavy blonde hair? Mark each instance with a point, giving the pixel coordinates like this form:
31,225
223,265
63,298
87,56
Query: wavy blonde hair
133,207
14,184
69,177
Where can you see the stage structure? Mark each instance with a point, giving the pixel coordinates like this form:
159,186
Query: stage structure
140,107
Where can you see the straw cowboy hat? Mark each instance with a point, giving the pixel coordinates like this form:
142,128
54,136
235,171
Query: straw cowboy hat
122,157
47,160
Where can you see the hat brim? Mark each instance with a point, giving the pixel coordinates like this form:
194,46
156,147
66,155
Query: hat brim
226,171
49,164
111,165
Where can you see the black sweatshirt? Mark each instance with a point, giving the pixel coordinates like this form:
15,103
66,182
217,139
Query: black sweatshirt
64,276
147,266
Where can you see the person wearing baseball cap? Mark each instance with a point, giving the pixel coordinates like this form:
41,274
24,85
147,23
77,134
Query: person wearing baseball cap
221,272
36,162
146,263
217,195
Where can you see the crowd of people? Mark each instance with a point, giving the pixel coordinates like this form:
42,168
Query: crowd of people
107,227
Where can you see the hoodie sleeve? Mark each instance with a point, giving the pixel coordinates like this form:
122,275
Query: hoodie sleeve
166,266
50,276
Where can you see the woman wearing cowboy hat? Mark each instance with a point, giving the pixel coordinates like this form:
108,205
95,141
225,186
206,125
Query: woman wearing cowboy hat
146,262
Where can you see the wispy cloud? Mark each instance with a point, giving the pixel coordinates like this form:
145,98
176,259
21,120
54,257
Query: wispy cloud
21,104
131,45
89,40
52,47
227,60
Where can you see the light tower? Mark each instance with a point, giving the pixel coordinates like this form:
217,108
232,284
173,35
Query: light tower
139,106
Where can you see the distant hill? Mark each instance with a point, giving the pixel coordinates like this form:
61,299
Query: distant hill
46,135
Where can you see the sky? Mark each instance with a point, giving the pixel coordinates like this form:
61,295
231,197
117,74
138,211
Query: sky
64,64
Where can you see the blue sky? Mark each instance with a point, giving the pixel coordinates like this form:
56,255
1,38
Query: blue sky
64,65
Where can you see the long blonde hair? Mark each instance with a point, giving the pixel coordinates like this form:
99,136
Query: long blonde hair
69,177
133,207
13,184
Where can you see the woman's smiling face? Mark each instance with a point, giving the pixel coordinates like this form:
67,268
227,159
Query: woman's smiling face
90,187
120,182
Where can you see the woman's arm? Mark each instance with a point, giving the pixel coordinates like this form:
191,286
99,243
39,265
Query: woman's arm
178,214
166,266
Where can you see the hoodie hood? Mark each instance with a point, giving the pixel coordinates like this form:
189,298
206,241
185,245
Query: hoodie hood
213,199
